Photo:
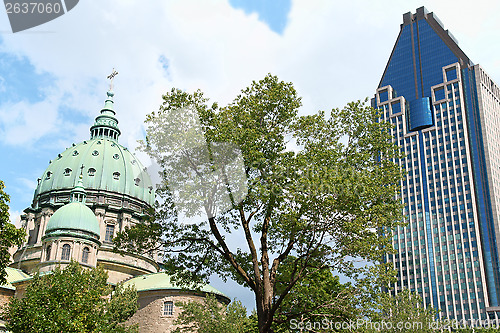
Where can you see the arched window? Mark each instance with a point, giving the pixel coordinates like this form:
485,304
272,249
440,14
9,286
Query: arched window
47,253
85,255
66,251
168,308
67,171
110,233
91,172
116,175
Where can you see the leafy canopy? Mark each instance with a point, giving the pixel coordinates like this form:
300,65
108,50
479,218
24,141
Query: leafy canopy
403,312
72,299
9,235
317,190
314,298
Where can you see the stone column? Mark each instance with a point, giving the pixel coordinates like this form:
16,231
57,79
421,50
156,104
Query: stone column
43,223
56,245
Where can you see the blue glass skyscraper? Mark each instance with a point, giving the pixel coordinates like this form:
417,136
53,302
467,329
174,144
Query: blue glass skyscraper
446,112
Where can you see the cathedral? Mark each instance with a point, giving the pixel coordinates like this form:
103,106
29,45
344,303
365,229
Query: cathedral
87,194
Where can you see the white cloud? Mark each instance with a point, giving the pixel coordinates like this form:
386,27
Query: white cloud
15,217
24,122
332,52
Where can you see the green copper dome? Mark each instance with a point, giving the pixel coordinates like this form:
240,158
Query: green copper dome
107,165
73,217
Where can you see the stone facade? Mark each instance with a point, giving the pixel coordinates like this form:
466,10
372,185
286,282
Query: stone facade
5,295
151,317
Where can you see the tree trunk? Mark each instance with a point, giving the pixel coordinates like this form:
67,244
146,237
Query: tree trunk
264,305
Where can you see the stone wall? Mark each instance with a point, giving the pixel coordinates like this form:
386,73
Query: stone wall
5,295
150,314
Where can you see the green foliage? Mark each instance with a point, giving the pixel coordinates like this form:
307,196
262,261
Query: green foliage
212,317
319,295
493,329
313,208
72,299
252,324
9,235
402,313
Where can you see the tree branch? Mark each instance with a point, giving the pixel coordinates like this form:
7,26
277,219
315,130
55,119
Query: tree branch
226,253
251,245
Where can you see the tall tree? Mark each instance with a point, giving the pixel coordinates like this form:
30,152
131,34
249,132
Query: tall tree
264,186
72,299
9,235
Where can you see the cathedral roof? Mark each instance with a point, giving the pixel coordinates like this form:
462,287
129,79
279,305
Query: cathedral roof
161,281
13,275
107,165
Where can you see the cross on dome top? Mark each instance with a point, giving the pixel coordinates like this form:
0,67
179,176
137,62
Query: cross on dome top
106,124
111,77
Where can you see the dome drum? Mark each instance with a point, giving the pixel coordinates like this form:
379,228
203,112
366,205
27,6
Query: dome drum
71,233
62,250
113,200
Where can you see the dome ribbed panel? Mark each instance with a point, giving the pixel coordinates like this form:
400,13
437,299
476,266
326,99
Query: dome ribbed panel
107,157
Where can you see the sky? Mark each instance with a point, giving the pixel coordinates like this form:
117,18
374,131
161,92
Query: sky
53,77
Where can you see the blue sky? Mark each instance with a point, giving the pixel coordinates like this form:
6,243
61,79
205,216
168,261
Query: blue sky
273,13
53,77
